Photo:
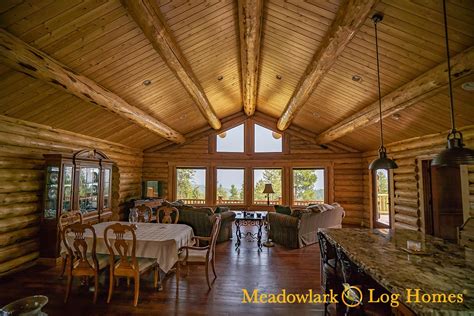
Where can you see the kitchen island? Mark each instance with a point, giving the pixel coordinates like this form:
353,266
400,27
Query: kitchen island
422,280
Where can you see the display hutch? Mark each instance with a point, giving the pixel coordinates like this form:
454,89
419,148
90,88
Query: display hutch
81,181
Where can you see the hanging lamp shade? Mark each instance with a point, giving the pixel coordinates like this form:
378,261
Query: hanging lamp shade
383,162
455,154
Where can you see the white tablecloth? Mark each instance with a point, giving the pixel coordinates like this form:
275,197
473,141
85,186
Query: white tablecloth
154,240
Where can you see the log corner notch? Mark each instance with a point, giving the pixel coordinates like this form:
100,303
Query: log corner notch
34,63
250,26
148,17
350,18
424,86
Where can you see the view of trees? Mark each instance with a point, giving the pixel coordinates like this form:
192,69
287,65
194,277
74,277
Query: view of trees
187,186
382,181
304,181
272,176
230,184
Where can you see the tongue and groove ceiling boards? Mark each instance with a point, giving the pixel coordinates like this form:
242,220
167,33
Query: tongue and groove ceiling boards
208,60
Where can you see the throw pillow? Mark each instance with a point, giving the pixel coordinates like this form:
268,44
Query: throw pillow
282,209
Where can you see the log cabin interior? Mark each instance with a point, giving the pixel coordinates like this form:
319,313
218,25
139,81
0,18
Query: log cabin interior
250,124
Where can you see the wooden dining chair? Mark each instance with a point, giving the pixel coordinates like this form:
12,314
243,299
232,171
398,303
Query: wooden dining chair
83,259
66,219
145,214
127,265
167,214
200,255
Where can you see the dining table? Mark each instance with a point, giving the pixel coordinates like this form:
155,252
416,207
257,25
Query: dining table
153,240
427,275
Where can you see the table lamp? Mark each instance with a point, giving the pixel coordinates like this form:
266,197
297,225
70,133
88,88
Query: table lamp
268,190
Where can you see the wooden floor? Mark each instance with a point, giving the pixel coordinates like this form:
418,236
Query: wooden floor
272,270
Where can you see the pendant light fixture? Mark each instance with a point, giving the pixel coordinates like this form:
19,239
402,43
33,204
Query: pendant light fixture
383,162
455,154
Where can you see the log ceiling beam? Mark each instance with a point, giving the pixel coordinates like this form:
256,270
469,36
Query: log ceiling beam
148,17
34,63
250,26
350,18
426,85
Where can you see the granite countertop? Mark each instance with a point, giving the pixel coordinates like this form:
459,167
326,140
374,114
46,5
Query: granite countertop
444,268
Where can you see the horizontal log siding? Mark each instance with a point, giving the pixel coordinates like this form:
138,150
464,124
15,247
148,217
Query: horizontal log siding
22,145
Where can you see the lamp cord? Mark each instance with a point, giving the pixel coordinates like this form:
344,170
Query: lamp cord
378,83
451,102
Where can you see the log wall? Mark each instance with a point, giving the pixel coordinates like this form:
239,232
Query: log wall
407,183
22,145
344,170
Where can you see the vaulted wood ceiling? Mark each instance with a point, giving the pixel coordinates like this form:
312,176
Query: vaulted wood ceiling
103,42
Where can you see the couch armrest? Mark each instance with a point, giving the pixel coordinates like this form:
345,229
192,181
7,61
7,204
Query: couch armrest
282,220
227,216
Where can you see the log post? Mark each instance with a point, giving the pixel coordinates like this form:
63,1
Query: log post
250,26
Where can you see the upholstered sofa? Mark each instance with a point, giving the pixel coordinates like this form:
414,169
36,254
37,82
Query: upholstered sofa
201,219
301,227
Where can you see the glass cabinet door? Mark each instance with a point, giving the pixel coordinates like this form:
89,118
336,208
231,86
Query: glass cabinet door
52,190
107,187
67,188
88,189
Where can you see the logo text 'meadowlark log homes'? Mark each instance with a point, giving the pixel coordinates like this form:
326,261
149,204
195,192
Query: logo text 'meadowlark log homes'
313,297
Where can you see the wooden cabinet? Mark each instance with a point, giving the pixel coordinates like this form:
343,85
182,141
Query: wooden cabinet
82,181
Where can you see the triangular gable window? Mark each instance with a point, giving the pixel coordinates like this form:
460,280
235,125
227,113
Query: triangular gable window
267,141
231,140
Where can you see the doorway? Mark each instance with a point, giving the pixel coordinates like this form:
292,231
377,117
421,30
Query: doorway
381,198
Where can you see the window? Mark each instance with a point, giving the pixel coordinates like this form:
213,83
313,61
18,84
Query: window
266,140
191,185
266,176
308,186
382,207
230,186
231,140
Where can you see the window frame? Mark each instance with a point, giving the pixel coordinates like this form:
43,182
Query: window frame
252,181
207,180
284,140
292,184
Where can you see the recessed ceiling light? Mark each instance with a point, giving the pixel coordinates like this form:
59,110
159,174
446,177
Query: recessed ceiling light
220,78
147,82
356,78
468,86
316,114
183,116
278,77
396,116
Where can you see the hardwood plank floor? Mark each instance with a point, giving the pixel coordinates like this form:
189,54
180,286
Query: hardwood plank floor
270,271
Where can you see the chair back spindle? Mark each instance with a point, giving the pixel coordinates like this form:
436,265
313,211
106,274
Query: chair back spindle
119,246
144,214
80,251
168,214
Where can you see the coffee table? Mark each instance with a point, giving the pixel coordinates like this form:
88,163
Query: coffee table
249,219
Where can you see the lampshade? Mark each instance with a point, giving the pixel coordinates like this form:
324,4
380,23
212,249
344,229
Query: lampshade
268,188
383,162
455,154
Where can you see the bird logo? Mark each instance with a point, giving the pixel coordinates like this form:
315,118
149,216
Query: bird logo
351,296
